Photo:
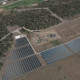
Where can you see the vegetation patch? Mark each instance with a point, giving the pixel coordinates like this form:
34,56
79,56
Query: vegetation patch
63,8
4,45
23,31
1,64
56,42
30,19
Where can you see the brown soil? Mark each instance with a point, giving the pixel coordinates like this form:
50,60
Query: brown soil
65,69
67,31
1,10
12,28
45,45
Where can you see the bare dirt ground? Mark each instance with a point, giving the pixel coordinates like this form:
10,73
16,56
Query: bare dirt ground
66,31
1,10
12,28
45,45
69,30
65,69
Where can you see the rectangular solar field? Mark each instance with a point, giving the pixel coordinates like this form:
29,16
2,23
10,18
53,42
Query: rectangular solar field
74,45
21,42
21,52
21,67
55,54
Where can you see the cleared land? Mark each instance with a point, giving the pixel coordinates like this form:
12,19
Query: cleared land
45,45
65,69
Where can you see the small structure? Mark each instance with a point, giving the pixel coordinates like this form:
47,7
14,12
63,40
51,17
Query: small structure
4,3
43,40
17,37
52,35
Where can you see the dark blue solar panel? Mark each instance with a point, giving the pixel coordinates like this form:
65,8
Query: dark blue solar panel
55,53
77,51
21,52
13,70
21,42
7,73
3,77
21,67
57,50
18,71
59,58
74,45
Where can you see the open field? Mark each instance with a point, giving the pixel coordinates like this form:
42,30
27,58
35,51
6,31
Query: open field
70,31
20,3
43,46
65,69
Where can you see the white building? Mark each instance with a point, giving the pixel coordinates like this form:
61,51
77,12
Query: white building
4,3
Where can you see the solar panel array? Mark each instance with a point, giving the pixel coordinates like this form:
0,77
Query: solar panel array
55,54
74,45
21,67
21,42
21,52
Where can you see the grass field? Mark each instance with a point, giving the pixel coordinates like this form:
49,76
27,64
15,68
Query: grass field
20,3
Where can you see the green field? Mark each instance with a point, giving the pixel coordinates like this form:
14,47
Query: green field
20,3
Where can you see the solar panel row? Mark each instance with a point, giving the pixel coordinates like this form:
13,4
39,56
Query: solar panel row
52,58
21,52
74,45
21,42
59,58
21,67
55,53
